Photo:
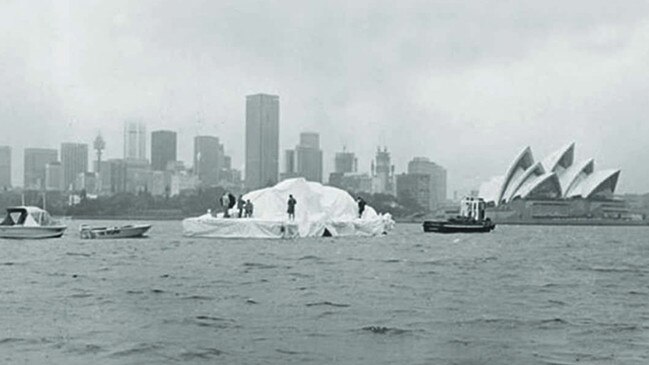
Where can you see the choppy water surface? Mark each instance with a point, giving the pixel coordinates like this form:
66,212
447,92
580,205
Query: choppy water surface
520,295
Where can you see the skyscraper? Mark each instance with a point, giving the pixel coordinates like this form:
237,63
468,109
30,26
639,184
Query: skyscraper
345,162
35,161
74,158
134,141
262,140
54,176
289,163
207,159
163,149
309,157
345,165
5,167
383,173
414,190
437,181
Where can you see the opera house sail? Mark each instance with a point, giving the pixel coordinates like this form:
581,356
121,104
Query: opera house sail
554,188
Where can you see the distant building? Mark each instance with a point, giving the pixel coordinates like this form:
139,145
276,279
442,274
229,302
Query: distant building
289,162
159,183
227,162
309,157
134,141
103,170
422,165
163,149
351,181
345,162
116,175
88,182
557,177
5,167
35,161
74,158
137,176
383,173
557,188
207,158
262,140
182,182
54,180
290,169
414,188
176,166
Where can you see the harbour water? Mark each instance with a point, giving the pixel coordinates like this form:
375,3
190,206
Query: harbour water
518,295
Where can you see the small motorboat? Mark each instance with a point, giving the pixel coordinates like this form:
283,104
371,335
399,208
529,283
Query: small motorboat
127,231
29,222
471,219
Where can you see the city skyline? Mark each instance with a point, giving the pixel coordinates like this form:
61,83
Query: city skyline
396,79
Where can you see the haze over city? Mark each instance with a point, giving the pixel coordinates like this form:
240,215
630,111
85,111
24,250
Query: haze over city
467,85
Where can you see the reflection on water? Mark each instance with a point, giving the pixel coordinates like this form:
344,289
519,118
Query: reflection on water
519,295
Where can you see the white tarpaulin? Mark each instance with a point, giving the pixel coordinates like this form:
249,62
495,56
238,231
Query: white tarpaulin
319,209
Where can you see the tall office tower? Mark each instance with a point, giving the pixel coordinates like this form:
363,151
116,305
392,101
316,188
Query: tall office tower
134,141
383,173
98,145
74,158
207,159
414,188
309,157
35,161
345,162
227,163
118,171
289,163
290,168
262,140
5,167
54,177
437,181
163,149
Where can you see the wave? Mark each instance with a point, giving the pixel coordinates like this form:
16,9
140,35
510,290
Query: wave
80,295
328,303
140,348
78,254
197,297
201,354
385,330
309,257
259,265
8,340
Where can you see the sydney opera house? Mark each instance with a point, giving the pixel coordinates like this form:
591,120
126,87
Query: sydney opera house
556,187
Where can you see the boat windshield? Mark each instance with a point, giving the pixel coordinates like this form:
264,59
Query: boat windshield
14,217
28,217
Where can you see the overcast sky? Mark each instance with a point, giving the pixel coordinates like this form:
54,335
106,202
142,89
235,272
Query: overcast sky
466,83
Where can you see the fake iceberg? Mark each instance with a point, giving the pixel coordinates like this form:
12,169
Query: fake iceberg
320,211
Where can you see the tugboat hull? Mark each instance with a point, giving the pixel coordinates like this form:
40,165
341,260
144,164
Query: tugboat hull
457,227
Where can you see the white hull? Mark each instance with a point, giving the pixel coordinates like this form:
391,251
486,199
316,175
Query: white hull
21,232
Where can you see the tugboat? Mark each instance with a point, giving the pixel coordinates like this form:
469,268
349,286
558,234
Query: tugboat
471,219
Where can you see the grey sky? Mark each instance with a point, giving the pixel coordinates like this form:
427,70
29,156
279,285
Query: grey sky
467,84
